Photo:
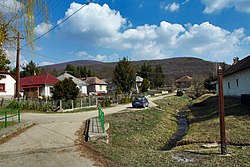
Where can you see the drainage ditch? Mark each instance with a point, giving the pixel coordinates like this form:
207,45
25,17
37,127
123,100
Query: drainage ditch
181,131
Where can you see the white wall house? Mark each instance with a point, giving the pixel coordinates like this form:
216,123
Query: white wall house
7,85
80,84
236,79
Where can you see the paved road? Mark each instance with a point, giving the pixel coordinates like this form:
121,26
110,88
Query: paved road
50,142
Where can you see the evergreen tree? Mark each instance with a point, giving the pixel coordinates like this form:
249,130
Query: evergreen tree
124,75
145,85
30,69
65,89
158,76
145,70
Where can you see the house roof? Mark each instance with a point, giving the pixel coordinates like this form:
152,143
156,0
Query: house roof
7,73
95,81
241,65
138,79
44,79
185,78
74,79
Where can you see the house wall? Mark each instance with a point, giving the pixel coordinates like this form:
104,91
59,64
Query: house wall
9,86
101,88
83,89
46,91
230,87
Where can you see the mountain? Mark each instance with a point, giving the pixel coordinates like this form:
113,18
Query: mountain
173,68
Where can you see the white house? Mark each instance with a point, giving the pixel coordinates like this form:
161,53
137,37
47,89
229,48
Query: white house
96,86
80,84
236,79
38,85
7,85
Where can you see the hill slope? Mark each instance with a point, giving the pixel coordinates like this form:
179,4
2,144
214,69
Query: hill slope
173,68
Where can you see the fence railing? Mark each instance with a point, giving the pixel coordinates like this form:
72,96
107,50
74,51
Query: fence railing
101,118
7,117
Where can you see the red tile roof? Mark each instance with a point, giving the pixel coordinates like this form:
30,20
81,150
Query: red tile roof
184,79
95,81
7,73
38,80
241,65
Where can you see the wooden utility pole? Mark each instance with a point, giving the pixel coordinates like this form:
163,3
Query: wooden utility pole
18,67
222,112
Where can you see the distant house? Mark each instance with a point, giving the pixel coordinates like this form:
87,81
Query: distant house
138,82
80,84
183,82
236,79
7,85
96,86
39,85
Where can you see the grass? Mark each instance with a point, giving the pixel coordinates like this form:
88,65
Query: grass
205,125
137,138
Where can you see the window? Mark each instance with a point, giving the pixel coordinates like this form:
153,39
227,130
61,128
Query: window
2,87
237,82
228,85
100,87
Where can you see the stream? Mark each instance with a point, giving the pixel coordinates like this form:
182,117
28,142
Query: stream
180,132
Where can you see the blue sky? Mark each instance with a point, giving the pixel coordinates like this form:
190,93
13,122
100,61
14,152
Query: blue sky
107,30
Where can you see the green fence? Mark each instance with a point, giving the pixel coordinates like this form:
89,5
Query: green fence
101,118
9,117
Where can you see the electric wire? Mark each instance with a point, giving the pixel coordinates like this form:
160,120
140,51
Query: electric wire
39,37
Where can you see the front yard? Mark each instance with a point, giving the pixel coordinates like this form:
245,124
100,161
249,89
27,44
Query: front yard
137,138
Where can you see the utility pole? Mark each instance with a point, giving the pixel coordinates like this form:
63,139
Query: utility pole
18,67
222,112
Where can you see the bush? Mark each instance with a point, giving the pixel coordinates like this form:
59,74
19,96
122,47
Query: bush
106,103
126,100
179,93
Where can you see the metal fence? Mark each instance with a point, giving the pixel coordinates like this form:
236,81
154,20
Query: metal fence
101,118
9,117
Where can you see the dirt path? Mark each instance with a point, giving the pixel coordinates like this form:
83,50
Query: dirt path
51,142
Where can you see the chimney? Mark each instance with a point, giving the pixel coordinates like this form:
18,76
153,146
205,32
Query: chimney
235,60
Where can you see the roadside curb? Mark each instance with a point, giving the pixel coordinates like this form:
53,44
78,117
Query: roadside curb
7,132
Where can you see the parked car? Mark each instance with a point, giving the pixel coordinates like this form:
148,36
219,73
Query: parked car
140,102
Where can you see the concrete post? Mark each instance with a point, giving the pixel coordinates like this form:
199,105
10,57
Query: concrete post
72,103
81,103
60,104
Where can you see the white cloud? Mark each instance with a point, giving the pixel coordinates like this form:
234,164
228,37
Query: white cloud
85,55
10,6
42,28
172,7
213,6
149,41
45,63
93,22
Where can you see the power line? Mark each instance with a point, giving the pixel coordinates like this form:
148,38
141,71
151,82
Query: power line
58,24
41,55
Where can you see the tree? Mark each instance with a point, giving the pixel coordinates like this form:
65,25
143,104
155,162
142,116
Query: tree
30,69
197,85
4,62
145,85
158,76
145,71
20,15
207,82
124,75
65,89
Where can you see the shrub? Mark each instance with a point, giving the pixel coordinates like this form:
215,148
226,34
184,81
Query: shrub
179,93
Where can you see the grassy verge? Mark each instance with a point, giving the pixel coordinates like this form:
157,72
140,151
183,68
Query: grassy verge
136,137
205,125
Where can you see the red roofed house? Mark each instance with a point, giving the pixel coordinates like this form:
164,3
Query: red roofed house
96,86
7,85
183,82
39,85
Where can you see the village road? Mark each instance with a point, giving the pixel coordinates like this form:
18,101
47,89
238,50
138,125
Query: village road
51,142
